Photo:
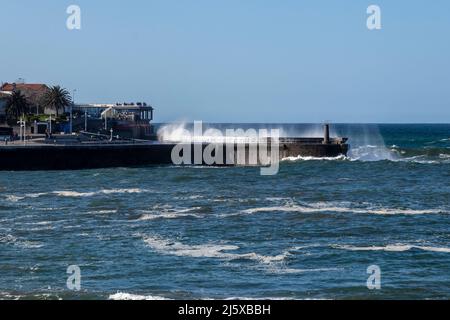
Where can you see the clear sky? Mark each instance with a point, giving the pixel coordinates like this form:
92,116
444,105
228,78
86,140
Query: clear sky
239,60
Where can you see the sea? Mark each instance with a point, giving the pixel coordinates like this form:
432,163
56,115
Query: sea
372,225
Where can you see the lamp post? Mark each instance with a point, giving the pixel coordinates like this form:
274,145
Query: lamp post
85,119
50,127
22,129
71,108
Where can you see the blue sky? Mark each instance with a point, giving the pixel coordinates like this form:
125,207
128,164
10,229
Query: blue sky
239,61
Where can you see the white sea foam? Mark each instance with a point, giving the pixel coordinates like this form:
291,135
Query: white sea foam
9,296
257,298
421,159
12,240
103,211
280,208
41,226
272,264
30,244
220,251
104,191
345,207
167,212
13,198
146,217
277,199
380,153
372,153
301,158
129,296
392,248
393,211
75,194
133,190
298,271
8,238
193,197
35,195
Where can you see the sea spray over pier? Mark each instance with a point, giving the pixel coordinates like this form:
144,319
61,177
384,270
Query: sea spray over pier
368,144
184,132
366,140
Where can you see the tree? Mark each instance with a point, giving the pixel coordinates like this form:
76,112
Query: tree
16,106
56,98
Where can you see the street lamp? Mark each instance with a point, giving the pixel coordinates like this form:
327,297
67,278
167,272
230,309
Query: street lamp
71,108
85,119
22,124
49,126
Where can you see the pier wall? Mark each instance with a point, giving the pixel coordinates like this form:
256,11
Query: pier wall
74,157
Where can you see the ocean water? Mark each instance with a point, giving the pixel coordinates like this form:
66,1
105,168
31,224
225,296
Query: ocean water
310,232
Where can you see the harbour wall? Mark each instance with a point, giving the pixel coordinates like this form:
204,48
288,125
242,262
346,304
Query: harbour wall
104,155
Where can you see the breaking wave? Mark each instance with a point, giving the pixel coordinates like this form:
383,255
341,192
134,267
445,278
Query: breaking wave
275,264
129,296
102,211
379,152
425,155
220,251
25,244
167,212
372,153
345,207
393,248
13,198
300,158
93,193
75,194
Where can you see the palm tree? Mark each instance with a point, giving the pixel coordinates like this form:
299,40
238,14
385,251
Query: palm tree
56,98
16,106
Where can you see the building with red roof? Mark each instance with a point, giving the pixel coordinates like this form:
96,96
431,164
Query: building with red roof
32,91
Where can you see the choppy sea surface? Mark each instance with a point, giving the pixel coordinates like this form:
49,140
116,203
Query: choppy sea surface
310,232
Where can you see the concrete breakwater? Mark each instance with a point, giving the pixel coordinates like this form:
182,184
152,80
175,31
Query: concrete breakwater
89,151
104,154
